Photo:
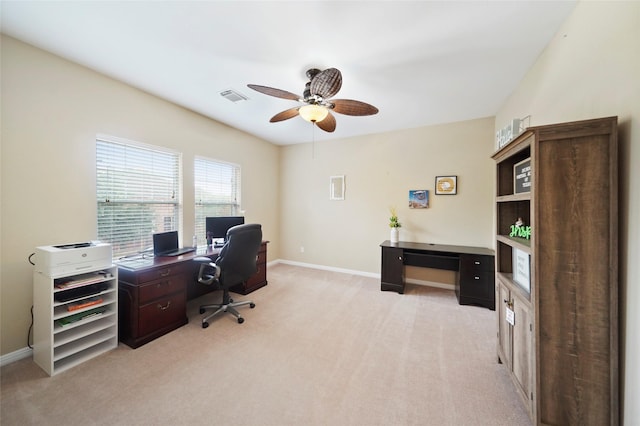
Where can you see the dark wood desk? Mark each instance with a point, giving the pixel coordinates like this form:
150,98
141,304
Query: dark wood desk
474,267
153,292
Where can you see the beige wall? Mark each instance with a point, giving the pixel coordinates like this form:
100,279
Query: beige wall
51,112
379,172
592,69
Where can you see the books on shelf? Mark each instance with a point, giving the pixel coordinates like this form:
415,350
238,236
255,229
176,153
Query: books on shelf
84,303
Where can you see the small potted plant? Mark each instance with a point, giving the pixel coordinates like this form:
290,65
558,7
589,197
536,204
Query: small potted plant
395,225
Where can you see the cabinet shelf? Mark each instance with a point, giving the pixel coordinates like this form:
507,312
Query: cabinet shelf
81,280
524,196
61,311
79,345
58,329
102,293
519,243
84,355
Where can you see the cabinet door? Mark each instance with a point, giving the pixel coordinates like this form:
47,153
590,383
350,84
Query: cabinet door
392,274
522,345
504,328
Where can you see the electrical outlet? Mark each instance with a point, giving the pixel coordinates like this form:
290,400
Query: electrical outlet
301,249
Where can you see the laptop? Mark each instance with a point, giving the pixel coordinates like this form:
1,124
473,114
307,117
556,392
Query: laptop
166,244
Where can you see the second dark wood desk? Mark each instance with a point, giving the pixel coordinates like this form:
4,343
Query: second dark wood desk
475,267
153,293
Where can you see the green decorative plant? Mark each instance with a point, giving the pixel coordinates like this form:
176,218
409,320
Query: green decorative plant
393,220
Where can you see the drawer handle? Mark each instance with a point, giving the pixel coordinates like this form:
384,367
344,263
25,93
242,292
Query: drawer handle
165,307
476,262
165,273
476,277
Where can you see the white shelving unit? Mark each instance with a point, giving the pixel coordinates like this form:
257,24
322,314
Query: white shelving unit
67,332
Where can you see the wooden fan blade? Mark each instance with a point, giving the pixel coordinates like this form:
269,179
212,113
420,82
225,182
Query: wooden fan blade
328,124
285,115
274,92
351,107
326,83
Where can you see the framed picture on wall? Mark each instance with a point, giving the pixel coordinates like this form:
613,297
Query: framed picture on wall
418,199
446,185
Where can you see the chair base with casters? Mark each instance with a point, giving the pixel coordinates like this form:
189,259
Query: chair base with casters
227,305
209,274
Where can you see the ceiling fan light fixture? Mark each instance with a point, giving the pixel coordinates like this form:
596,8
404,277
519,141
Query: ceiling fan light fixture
313,113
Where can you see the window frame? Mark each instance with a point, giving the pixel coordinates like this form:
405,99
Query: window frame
143,193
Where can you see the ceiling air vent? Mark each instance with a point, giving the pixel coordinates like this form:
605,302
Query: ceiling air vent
233,96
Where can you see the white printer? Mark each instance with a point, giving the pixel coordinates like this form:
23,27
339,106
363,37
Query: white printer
74,258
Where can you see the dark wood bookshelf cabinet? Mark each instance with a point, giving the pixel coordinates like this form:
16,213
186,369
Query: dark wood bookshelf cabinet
562,346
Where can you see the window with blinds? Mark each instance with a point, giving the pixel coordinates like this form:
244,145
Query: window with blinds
138,194
217,192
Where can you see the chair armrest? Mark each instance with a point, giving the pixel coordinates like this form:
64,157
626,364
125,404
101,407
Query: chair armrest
209,272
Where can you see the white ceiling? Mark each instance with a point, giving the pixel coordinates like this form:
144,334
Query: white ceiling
419,62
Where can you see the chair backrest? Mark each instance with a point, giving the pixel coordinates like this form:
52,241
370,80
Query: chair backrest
238,258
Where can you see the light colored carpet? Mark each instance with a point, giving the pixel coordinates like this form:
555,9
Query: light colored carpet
320,348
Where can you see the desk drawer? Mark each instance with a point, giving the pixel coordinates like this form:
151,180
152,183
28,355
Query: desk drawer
475,263
476,279
160,288
162,313
164,272
478,286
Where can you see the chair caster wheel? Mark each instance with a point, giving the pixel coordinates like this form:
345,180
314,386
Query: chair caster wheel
240,320
230,301
252,305
201,311
205,324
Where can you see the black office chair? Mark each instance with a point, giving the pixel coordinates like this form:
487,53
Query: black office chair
235,264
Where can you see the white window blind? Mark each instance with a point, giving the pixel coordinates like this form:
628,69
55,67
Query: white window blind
138,194
217,192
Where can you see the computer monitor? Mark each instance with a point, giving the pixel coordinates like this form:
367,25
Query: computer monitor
217,226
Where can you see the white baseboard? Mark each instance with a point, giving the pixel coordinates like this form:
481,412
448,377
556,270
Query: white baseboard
361,273
326,268
15,356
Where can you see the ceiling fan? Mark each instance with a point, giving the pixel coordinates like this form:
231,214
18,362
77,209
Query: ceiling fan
322,86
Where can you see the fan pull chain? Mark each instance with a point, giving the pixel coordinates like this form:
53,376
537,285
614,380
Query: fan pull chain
313,140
